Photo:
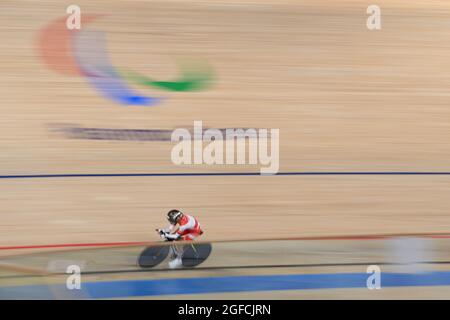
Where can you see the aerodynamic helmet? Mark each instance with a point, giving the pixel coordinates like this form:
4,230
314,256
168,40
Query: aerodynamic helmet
174,215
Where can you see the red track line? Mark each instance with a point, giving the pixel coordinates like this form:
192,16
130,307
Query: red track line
349,237
67,245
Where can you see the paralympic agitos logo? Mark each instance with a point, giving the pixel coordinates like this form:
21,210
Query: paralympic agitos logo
84,53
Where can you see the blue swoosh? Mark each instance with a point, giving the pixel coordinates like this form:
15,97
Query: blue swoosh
90,53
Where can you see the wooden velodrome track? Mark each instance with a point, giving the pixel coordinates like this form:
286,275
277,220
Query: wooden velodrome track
275,269
345,99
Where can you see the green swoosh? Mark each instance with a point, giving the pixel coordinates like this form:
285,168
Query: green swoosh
189,80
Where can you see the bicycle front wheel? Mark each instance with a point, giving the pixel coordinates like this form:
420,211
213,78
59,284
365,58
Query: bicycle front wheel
152,256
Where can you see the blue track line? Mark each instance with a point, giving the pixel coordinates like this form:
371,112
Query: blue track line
204,285
197,174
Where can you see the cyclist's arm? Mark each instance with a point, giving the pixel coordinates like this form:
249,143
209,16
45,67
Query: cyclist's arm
172,229
172,236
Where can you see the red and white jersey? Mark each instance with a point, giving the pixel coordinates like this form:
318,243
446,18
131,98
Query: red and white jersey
188,225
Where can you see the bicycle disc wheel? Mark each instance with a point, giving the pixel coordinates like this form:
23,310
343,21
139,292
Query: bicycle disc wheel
194,254
151,256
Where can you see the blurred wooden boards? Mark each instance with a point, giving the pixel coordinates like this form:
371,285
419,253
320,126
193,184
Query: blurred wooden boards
129,209
343,97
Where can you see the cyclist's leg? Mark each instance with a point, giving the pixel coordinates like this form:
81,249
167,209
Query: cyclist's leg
178,249
175,260
173,253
